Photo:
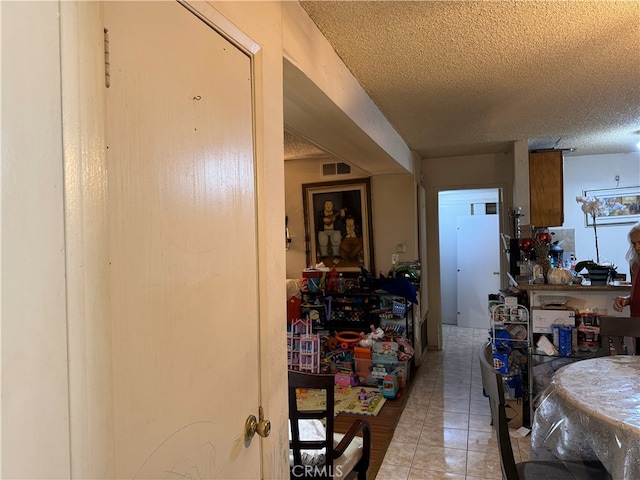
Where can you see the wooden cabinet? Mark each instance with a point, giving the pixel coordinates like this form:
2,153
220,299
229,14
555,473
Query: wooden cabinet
546,197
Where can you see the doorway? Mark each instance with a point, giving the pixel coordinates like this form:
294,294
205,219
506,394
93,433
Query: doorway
469,224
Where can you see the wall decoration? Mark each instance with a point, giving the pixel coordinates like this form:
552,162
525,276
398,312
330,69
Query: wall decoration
620,206
337,217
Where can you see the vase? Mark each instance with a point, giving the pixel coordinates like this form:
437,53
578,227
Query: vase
599,274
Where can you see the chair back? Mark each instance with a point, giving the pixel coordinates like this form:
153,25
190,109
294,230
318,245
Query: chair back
319,382
494,389
346,455
614,329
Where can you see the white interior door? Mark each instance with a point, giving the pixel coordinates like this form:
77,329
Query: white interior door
183,246
478,272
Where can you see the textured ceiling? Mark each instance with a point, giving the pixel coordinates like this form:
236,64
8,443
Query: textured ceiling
462,77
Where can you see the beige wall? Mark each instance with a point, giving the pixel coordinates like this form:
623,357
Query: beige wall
393,205
395,217
480,171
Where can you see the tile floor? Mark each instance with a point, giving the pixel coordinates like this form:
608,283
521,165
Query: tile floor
445,430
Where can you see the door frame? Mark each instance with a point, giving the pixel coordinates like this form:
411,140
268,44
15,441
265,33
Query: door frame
433,234
472,195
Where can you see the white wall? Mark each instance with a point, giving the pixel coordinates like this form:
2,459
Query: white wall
35,403
598,172
453,204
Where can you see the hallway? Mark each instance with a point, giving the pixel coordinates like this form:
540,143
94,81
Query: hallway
445,430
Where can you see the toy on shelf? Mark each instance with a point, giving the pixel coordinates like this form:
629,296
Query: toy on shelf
303,347
406,351
346,379
390,385
348,339
369,339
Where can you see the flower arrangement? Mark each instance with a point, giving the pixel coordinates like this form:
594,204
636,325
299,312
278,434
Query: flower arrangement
593,206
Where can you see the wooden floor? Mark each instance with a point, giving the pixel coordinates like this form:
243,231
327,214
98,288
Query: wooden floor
382,428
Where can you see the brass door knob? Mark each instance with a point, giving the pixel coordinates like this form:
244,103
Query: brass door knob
260,426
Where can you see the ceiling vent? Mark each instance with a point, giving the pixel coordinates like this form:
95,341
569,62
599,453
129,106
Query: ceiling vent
335,169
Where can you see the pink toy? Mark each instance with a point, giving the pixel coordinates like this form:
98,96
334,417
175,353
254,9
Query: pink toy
407,350
346,379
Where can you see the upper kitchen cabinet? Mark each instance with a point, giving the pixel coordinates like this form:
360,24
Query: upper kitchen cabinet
546,198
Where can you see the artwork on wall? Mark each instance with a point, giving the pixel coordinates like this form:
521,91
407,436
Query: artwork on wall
337,217
621,205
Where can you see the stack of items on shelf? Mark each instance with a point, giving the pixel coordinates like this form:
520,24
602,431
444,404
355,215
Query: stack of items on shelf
358,328
559,330
509,336
554,331
373,360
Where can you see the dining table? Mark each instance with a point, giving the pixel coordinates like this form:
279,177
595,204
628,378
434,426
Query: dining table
591,412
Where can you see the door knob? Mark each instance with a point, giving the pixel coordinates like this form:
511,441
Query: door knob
260,426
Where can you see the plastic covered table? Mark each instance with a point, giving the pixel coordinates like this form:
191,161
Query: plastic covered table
591,411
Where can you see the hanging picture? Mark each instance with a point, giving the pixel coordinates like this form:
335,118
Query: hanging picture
621,205
337,219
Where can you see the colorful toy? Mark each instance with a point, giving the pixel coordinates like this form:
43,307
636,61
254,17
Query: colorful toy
390,385
345,379
303,347
362,395
406,350
369,339
348,339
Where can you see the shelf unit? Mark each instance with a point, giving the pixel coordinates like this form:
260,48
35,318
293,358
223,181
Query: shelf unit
356,311
510,334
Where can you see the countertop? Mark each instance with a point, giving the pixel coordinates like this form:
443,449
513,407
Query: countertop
574,287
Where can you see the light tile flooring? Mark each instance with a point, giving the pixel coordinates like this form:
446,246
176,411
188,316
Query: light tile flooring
445,430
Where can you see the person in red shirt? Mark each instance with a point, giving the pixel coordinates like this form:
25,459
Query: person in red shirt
633,256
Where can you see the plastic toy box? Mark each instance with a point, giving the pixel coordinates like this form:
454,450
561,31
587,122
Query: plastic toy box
372,373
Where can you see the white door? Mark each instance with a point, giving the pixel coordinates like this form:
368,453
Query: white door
478,268
183,246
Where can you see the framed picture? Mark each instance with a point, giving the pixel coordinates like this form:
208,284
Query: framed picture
337,218
621,205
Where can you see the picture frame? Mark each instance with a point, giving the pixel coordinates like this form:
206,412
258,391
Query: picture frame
341,236
622,205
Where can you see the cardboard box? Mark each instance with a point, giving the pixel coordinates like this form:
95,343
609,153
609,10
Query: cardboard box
514,411
542,321
510,301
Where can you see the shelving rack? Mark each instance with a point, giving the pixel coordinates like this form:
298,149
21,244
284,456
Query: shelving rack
511,330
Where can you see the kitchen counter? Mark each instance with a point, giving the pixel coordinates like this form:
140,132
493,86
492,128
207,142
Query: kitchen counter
597,298
575,287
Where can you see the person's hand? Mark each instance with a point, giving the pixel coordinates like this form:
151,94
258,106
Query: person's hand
619,303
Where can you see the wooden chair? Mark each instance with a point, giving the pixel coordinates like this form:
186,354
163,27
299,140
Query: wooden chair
614,329
326,454
532,469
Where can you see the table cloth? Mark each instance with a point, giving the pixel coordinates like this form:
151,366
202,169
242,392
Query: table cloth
591,411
